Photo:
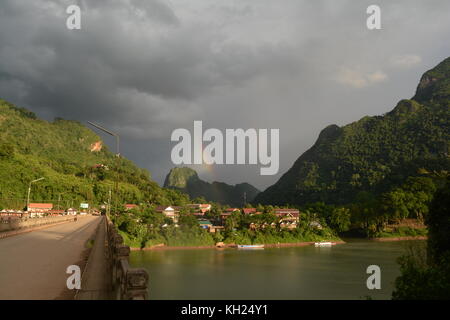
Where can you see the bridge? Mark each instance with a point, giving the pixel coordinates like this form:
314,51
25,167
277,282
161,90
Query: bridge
35,254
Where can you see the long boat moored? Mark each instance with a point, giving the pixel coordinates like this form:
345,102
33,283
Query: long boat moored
324,244
250,246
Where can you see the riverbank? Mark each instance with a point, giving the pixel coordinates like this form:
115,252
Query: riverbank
399,238
403,233
274,245
232,245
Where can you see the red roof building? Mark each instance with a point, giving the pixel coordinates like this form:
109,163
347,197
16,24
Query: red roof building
249,210
202,207
288,215
129,206
224,215
56,212
285,212
198,214
40,207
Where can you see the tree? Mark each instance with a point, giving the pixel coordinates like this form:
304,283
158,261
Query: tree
268,217
395,204
233,221
367,213
6,151
429,278
199,200
340,219
419,191
215,212
187,220
438,222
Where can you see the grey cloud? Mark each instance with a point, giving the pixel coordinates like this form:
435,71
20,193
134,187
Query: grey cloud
145,68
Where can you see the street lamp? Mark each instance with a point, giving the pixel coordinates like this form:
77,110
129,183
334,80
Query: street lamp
117,155
110,133
29,190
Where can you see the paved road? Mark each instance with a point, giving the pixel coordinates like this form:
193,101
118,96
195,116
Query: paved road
33,265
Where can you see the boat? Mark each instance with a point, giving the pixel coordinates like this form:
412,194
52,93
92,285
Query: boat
324,244
250,246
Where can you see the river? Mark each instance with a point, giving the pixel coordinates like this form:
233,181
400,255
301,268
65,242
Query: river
307,272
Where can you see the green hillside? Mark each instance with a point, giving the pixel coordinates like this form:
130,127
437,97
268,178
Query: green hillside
186,180
64,153
375,153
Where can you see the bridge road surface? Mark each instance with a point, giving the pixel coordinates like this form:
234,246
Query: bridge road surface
33,265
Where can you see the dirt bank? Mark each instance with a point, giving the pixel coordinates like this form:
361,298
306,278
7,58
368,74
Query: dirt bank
400,238
267,245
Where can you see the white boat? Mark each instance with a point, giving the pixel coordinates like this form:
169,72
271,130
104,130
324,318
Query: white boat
324,244
250,246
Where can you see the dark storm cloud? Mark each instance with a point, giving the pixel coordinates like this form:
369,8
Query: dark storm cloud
144,68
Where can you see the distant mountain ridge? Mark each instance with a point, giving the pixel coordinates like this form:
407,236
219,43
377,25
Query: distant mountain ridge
374,153
187,180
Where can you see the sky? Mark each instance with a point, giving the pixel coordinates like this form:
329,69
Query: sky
143,68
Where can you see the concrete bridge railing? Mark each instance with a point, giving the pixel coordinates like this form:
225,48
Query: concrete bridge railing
10,226
127,283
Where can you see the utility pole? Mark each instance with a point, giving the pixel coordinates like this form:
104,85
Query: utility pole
29,190
109,203
59,199
116,184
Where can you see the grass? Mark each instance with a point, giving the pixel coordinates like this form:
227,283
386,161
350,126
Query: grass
90,243
404,232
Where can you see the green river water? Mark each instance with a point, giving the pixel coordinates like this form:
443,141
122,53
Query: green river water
338,272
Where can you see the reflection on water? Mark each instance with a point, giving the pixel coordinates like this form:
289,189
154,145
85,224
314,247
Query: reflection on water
308,272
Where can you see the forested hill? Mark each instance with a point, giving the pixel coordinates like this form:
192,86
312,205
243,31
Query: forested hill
186,180
73,160
374,153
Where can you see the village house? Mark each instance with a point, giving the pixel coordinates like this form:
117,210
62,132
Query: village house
71,211
254,226
249,211
288,219
287,215
288,225
316,225
200,207
198,214
55,213
172,212
11,214
225,215
228,212
39,209
214,229
205,224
